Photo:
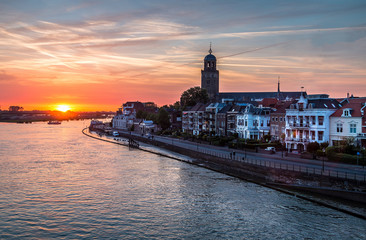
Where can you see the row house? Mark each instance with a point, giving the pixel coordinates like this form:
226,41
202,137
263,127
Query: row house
253,122
175,118
211,113
222,119
193,119
278,120
126,115
349,121
307,121
131,108
121,121
231,118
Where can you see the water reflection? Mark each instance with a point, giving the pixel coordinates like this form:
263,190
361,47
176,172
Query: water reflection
57,183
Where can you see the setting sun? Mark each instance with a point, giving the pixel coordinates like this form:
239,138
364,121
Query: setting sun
63,108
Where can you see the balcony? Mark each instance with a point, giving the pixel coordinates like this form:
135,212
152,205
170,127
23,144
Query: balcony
301,140
361,135
299,125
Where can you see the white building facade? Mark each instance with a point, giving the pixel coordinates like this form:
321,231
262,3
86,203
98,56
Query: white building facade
308,121
349,122
193,119
253,122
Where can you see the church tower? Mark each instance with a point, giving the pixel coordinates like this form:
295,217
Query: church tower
210,76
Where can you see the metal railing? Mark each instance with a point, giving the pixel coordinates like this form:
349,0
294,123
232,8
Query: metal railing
287,166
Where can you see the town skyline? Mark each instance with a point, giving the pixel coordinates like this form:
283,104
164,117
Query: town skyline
97,55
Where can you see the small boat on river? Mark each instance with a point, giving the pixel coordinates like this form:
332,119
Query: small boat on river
54,122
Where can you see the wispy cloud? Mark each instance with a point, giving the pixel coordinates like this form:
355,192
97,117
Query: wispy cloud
287,32
120,47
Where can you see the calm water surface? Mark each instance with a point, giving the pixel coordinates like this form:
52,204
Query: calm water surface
57,183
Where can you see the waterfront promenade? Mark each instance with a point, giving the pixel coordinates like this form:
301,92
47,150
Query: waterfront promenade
295,174
278,160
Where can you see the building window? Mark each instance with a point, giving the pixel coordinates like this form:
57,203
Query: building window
346,113
246,123
320,135
313,120
339,127
301,106
312,135
321,120
352,128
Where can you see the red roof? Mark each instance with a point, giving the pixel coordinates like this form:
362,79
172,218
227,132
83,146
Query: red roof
268,102
353,103
281,106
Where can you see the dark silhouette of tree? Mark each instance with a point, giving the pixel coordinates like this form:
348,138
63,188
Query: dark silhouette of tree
324,145
193,96
312,148
163,118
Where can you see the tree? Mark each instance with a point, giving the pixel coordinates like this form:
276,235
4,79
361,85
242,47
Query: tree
193,96
163,118
141,114
312,148
324,145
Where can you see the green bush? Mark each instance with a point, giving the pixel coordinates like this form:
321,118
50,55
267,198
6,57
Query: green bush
320,153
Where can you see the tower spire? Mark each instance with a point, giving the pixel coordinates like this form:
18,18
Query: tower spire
278,88
210,51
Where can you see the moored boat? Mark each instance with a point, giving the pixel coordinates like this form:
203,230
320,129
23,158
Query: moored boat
54,122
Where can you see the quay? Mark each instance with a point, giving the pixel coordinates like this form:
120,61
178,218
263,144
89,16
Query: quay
289,175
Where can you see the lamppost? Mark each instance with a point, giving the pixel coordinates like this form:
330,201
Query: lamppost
323,160
245,148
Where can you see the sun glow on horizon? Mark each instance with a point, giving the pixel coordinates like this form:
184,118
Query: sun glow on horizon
63,108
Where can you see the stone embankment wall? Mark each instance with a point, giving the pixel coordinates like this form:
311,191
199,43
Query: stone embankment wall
250,172
258,174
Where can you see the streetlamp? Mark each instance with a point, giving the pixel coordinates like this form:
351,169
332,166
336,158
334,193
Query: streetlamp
323,160
245,148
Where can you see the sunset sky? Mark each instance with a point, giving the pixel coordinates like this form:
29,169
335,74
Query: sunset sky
95,55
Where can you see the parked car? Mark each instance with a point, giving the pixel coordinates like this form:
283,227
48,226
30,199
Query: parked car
271,149
115,133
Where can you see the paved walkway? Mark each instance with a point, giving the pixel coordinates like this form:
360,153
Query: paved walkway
277,160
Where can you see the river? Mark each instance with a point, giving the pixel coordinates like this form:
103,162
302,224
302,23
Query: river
56,183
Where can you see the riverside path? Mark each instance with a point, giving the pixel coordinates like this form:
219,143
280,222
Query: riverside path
278,160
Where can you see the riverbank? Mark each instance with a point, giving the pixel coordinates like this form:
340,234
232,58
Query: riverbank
263,174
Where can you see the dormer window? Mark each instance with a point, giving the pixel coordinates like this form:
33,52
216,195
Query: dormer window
301,106
346,112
